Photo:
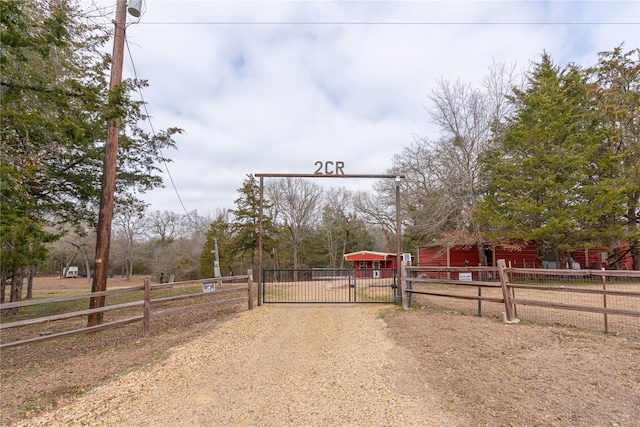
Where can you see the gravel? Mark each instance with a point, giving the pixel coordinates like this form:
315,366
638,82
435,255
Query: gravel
278,365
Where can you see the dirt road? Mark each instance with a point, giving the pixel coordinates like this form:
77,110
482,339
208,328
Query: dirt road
275,366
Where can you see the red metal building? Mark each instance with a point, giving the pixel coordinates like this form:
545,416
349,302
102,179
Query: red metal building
597,258
373,264
519,256
524,256
590,258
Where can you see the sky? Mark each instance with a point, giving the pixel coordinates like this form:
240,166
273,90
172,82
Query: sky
276,86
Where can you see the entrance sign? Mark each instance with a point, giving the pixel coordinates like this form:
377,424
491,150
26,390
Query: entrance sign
329,168
328,172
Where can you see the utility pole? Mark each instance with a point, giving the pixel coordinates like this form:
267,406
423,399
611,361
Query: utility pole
105,216
216,263
398,239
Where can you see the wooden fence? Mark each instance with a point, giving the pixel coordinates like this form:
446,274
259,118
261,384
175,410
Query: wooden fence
604,299
210,291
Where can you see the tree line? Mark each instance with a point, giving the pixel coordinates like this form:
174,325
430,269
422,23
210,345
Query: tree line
549,155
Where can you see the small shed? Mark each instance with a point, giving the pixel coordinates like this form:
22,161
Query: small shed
373,264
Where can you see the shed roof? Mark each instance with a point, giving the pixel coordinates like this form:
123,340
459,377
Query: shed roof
368,255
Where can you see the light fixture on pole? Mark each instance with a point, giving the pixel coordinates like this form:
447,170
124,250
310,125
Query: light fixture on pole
134,7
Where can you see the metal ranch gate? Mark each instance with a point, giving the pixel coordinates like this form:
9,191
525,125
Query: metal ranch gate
327,285
342,286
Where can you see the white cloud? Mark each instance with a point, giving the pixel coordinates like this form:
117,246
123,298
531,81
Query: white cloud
273,86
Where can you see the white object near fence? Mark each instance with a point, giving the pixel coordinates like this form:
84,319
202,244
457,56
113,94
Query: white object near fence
465,277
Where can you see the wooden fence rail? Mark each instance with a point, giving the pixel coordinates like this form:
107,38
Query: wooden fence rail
549,289
146,303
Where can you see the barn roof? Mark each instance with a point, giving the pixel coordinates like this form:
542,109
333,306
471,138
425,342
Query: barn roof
368,255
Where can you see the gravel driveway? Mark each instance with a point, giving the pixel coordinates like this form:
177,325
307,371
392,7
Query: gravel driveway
288,365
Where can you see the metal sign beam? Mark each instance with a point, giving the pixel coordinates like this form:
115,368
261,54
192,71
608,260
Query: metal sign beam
325,175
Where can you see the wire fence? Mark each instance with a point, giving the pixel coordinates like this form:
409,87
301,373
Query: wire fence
607,301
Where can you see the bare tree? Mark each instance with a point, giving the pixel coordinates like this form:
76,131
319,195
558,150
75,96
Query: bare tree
176,243
340,223
379,213
165,225
195,226
79,240
443,175
130,224
295,204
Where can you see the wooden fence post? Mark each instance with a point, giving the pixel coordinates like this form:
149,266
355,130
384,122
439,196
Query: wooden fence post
504,282
146,322
250,283
606,317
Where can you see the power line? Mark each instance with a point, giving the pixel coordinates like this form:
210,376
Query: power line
382,23
153,132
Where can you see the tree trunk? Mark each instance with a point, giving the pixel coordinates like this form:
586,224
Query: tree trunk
635,254
482,255
632,217
614,259
16,288
540,252
558,258
344,248
87,265
3,286
32,273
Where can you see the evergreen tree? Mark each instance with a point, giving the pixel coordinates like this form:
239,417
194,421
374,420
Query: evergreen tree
55,104
616,79
537,186
246,222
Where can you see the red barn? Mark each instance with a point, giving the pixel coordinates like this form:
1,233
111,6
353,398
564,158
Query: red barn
523,256
373,264
592,258
623,256
597,258
456,256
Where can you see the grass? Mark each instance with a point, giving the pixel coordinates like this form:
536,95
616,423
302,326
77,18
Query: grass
53,308
32,405
41,401
364,296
